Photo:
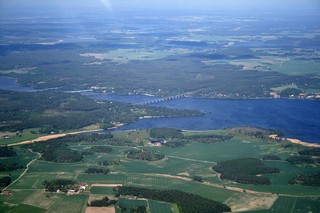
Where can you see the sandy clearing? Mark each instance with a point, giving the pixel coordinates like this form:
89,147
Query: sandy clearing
106,185
247,202
296,141
236,189
170,176
100,210
54,136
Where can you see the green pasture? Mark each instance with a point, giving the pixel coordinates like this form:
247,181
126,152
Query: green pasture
103,179
25,135
23,157
51,167
207,133
73,203
154,206
288,86
21,208
188,161
297,67
293,204
227,150
133,135
165,183
159,207
18,196
102,190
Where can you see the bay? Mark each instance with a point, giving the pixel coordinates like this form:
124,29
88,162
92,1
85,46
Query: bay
298,119
295,118
11,84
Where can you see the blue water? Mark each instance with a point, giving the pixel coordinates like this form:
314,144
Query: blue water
295,118
11,84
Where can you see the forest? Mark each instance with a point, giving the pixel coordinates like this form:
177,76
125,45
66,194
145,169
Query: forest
306,179
109,162
187,203
245,170
302,160
6,152
165,133
97,171
147,155
9,166
270,157
208,138
56,151
177,139
313,152
105,201
5,181
104,149
58,111
58,184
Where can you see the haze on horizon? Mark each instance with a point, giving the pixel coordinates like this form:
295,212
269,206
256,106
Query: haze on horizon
206,5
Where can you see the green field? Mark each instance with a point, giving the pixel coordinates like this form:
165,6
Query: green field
175,172
152,206
293,204
25,135
21,208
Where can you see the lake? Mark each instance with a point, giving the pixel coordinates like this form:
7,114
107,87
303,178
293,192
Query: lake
295,118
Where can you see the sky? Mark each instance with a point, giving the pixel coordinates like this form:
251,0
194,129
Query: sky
171,4
282,6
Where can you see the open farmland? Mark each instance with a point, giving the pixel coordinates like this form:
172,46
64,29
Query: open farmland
175,172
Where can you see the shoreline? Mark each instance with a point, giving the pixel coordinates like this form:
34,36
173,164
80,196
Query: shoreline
296,141
54,136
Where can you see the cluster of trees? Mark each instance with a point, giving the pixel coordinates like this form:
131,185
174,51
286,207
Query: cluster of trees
290,92
109,162
302,160
102,202
313,152
209,138
175,143
58,184
252,132
177,139
270,157
165,133
147,155
57,111
56,151
88,138
6,151
9,166
104,149
306,179
97,171
138,209
198,179
187,203
245,171
86,152
5,181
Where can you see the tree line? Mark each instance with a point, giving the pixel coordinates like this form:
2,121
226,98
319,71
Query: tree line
245,171
187,203
56,111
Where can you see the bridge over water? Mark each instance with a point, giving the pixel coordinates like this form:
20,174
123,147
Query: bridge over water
163,99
